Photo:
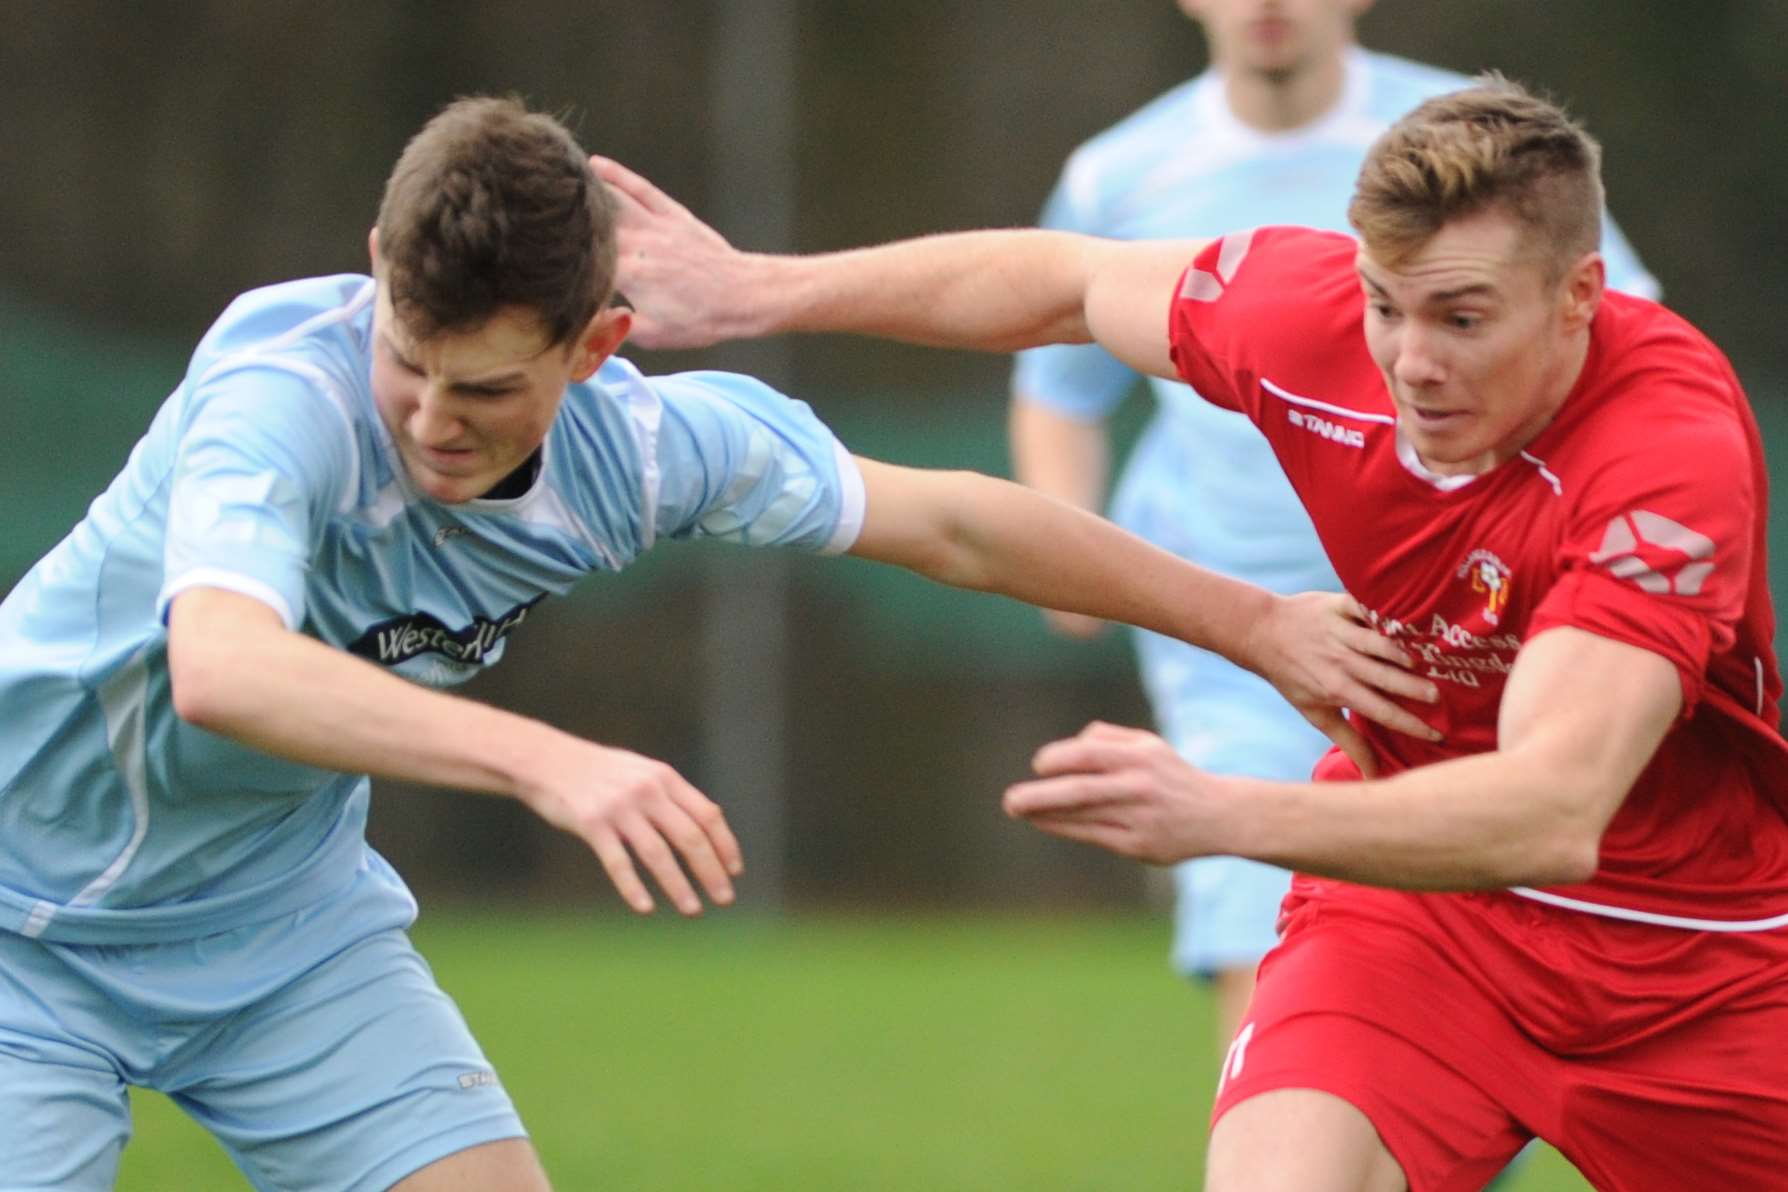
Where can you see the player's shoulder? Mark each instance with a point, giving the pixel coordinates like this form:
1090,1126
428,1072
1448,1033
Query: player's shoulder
315,330
1164,124
1165,116
624,410
1648,353
1273,264
285,316
1658,396
1277,301
1397,85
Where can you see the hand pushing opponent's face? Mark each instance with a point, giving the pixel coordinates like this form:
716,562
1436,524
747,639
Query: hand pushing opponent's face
467,408
1479,345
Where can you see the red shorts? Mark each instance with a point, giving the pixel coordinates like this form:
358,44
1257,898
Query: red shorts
1462,1025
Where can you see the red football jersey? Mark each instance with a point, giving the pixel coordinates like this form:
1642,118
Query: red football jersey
1637,514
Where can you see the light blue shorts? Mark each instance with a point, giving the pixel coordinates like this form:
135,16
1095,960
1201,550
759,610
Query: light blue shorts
1225,721
1225,913
316,1047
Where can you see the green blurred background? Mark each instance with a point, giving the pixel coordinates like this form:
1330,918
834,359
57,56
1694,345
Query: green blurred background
858,725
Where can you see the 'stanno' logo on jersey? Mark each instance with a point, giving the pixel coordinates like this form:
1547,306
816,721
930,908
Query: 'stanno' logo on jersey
1490,577
403,638
1317,425
1660,555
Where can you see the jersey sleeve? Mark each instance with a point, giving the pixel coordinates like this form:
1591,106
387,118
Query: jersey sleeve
738,461
1658,550
1081,381
1270,294
263,459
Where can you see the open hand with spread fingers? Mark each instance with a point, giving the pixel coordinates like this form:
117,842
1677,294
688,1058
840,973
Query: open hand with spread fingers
1126,791
681,277
629,808
1321,652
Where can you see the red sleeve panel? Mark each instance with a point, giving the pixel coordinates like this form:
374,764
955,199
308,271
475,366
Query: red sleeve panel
1268,294
1659,549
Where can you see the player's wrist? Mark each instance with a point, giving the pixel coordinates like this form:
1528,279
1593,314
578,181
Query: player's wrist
1247,638
535,763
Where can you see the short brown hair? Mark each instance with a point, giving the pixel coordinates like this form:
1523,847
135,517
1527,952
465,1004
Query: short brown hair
494,206
1492,145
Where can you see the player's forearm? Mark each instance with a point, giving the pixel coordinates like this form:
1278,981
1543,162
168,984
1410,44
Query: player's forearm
1008,540
1484,822
1061,456
994,291
293,697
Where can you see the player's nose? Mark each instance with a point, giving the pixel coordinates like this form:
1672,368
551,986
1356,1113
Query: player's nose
433,422
1416,362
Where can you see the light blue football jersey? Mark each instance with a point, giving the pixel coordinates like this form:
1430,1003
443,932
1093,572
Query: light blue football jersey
1201,480
269,472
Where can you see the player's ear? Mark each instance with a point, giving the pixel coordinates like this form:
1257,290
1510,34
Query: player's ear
1582,290
599,340
372,247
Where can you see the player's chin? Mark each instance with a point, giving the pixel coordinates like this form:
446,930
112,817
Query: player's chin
449,490
1449,442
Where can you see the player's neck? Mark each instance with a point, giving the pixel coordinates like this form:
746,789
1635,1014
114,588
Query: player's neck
1283,101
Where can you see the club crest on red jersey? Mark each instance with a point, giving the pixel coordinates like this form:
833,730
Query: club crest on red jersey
1491,578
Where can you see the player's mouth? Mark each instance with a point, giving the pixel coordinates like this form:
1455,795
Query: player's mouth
1433,418
1270,31
451,461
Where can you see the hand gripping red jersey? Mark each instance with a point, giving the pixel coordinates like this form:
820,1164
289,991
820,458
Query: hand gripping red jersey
1637,514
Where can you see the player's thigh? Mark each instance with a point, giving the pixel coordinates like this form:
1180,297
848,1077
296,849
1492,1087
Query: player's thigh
1337,1150
356,1075
64,1116
509,1164
1372,1029
1704,1106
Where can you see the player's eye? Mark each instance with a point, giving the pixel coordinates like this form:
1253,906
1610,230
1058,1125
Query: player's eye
392,353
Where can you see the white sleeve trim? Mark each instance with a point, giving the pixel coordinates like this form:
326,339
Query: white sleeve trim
852,500
230,581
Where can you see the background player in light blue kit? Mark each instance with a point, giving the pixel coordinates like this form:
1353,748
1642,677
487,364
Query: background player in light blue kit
1272,133
367,480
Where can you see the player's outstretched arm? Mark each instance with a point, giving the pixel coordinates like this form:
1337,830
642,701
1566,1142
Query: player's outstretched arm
239,672
1581,717
994,291
973,531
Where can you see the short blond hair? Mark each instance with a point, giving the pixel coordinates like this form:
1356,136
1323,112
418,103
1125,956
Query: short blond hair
1492,146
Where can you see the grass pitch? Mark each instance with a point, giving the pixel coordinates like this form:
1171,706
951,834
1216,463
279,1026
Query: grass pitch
868,1054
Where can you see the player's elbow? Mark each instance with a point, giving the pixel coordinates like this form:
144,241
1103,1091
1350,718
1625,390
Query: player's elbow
197,684
1565,845
207,680
1564,860
956,550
